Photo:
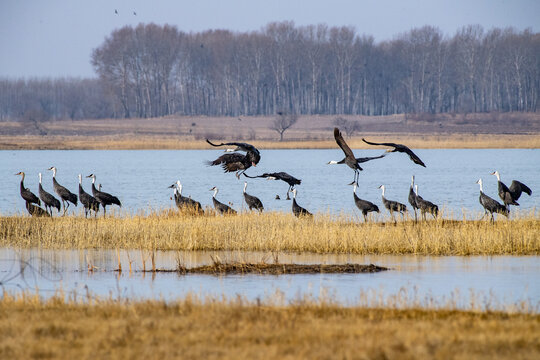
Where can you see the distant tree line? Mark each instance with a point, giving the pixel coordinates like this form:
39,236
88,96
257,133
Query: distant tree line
152,70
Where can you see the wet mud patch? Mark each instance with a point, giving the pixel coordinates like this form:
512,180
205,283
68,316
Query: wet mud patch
276,269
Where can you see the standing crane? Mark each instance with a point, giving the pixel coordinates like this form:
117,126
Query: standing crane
48,199
89,202
491,205
221,207
392,206
253,202
297,209
425,206
102,197
363,205
65,195
183,201
26,194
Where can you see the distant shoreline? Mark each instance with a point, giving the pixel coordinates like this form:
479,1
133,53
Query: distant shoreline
474,131
153,142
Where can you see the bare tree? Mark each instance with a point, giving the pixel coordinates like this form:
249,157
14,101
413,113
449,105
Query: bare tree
283,122
348,126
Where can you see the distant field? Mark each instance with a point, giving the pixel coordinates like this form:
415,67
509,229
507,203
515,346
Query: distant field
514,130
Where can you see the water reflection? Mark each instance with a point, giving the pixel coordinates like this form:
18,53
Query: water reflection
507,279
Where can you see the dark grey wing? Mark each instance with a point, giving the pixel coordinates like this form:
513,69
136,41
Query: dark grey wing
413,156
230,162
383,144
342,144
365,159
516,188
242,146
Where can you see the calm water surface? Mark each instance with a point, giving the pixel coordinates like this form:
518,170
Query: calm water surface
140,178
506,279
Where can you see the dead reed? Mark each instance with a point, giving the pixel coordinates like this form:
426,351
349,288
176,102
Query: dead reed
192,328
275,232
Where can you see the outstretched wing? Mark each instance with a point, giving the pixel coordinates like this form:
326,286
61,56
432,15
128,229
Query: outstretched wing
383,144
413,156
365,159
242,146
342,144
516,188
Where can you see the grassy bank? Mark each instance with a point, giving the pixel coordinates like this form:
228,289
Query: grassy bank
132,142
237,329
170,230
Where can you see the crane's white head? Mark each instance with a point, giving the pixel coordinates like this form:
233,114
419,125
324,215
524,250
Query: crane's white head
80,179
39,177
245,186
332,162
20,173
93,177
271,178
215,190
53,170
416,190
412,181
479,182
382,187
294,193
496,173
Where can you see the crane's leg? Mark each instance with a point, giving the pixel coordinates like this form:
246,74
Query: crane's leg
415,217
288,191
67,207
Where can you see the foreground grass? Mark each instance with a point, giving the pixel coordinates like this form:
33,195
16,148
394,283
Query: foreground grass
237,329
170,230
150,142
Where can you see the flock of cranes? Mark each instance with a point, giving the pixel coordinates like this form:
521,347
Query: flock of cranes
89,202
244,156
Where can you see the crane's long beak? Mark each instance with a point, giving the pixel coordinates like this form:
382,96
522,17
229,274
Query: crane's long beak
172,186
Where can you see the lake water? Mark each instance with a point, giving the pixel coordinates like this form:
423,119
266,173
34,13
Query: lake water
140,178
497,282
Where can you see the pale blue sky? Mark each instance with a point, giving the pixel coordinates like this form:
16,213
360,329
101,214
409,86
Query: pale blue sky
56,37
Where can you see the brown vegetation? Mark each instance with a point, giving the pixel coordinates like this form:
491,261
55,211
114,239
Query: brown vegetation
277,269
237,329
437,131
170,230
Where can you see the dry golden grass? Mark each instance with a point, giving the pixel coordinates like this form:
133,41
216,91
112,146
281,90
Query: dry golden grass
150,142
274,231
31,328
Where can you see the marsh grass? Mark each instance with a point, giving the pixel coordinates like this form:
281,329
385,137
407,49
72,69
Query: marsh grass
149,142
211,328
274,232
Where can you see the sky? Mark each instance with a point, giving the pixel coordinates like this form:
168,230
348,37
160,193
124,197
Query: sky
55,38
